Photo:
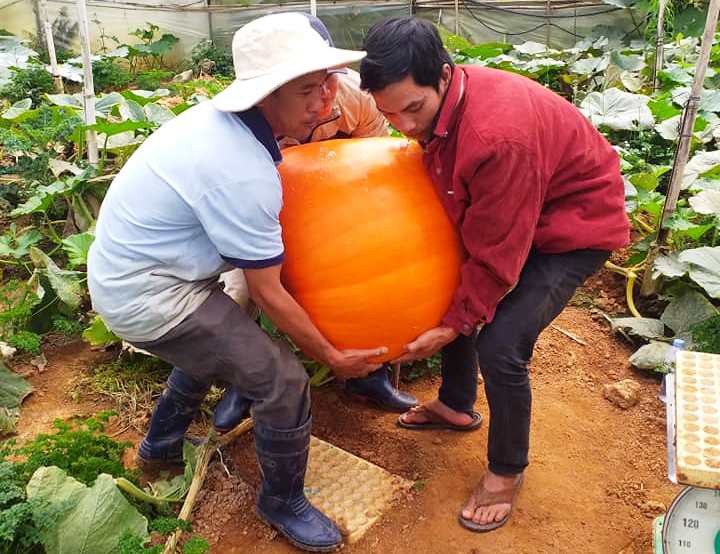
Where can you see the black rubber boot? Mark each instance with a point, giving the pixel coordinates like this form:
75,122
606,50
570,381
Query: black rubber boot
376,387
231,410
173,414
281,501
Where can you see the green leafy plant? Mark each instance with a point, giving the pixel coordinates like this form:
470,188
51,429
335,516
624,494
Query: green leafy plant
78,447
22,521
222,60
706,335
25,341
68,327
17,301
150,52
15,244
32,82
152,79
109,74
133,544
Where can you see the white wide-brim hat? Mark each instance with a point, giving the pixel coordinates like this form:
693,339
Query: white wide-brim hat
273,50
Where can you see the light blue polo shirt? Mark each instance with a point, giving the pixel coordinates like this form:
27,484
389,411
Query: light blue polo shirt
202,194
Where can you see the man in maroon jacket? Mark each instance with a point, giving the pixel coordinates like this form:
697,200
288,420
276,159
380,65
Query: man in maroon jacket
536,194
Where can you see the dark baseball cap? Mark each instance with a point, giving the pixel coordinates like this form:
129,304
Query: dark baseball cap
317,24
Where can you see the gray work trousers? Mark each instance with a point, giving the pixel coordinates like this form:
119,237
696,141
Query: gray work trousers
219,342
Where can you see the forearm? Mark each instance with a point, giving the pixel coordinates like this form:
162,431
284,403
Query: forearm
289,317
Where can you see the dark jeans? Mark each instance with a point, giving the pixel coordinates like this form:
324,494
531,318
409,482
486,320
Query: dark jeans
503,349
219,342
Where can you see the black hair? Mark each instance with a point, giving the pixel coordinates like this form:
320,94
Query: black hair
402,46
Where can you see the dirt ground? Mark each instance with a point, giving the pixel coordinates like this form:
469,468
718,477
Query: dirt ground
595,482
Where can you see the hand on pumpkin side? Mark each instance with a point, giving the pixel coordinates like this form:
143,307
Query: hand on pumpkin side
268,293
427,344
354,363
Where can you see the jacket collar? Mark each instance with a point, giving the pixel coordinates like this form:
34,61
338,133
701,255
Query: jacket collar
450,108
259,126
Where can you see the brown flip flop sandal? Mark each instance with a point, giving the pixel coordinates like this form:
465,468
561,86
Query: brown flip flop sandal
435,421
486,498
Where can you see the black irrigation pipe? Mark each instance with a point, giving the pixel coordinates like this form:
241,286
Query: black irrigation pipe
526,31
540,16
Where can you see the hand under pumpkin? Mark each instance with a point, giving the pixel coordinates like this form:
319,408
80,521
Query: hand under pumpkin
354,363
427,344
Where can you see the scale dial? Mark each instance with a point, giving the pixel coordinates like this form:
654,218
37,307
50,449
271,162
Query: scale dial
692,523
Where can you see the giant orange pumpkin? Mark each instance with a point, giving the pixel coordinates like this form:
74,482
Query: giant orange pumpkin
369,252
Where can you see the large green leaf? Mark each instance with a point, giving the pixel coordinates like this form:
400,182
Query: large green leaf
662,108
43,198
131,110
66,284
644,327
686,310
669,266
110,129
706,202
617,110
69,100
98,333
700,163
17,246
13,388
676,74
105,104
628,63
531,48
158,114
704,268
588,66
650,356
95,519
17,109
709,99
77,247
690,21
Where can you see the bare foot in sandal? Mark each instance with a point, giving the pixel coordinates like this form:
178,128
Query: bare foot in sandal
491,503
446,413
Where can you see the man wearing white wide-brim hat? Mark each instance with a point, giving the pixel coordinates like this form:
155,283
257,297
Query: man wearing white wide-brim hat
200,196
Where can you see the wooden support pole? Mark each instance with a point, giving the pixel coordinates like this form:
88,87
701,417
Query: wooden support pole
649,286
88,86
659,45
50,43
207,451
457,17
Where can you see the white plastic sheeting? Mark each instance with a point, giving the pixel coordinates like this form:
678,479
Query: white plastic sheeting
192,20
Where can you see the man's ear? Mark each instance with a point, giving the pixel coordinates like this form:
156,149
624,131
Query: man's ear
445,76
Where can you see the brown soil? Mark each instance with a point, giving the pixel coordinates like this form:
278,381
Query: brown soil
595,482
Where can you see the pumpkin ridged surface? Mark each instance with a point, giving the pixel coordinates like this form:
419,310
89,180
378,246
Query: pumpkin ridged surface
369,252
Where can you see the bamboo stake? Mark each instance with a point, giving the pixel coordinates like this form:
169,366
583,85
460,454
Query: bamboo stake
548,9
457,17
207,451
649,285
659,44
47,28
88,86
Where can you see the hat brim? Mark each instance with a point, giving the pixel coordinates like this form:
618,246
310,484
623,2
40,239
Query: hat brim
243,94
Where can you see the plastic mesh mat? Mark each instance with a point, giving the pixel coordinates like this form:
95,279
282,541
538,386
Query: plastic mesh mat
351,491
697,401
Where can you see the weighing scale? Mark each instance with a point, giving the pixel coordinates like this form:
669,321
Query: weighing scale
692,522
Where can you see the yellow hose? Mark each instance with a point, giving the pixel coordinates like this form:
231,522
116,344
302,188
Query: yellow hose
631,276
